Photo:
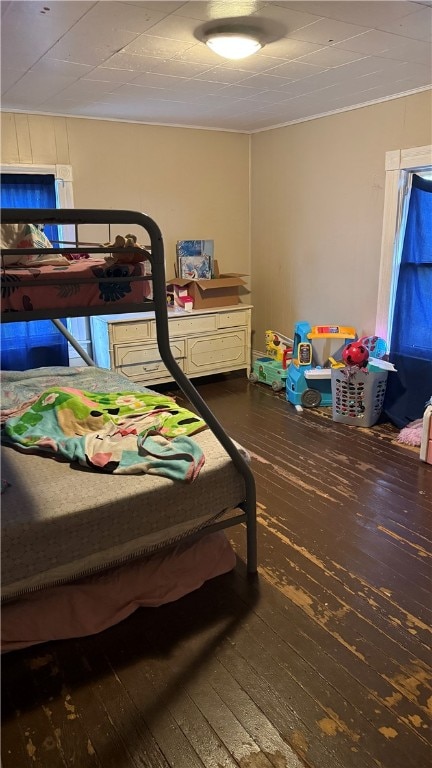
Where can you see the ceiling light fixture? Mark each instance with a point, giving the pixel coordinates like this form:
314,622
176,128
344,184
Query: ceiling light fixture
240,36
233,45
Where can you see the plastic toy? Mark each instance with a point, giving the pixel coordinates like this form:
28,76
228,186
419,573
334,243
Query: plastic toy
355,353
334,363
269,371
278,346
272,370
375,345
308,385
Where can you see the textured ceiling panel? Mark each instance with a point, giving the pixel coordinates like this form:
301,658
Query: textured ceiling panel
142,61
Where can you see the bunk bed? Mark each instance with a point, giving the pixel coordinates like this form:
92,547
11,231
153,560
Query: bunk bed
63,525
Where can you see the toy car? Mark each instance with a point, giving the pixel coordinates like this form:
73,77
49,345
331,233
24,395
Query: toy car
269,371
308,385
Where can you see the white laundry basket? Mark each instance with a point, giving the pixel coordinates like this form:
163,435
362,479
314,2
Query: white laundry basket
358,395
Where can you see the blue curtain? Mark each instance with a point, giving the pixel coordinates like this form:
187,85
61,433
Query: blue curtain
30,345
411,340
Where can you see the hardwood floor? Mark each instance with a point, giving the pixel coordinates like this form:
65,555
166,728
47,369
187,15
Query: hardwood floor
323,661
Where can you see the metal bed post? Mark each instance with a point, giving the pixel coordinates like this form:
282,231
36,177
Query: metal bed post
72,341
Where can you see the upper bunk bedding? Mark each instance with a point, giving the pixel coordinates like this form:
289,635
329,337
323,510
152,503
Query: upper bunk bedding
88,283
38,277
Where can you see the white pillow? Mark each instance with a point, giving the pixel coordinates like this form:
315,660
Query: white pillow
10,234
27,236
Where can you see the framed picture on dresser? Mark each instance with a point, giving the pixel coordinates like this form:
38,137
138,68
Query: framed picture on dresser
195,259
195,267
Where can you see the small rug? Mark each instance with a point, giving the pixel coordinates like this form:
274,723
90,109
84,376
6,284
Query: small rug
412,433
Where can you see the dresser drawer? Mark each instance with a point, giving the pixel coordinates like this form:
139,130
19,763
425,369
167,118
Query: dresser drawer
135,354
218,352
125,332
184,326
233,319
148,372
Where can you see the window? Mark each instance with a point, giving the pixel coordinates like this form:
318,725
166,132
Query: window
400,166
412,312
404,312
79,327
30,345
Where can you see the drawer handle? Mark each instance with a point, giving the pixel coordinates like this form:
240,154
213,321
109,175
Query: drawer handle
150,368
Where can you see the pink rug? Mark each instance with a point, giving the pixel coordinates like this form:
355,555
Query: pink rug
412,433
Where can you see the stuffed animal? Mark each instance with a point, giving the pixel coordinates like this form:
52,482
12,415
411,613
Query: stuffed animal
131,257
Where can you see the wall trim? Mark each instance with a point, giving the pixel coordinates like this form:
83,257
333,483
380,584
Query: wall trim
123,120
63,180
345,109
228,130
256,354
60,172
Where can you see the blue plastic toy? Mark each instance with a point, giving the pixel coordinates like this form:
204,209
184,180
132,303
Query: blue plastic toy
308,385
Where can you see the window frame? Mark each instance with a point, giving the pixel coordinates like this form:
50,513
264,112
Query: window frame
62,175
79,327
400,164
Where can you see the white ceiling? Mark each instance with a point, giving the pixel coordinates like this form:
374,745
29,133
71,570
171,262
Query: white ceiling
140,61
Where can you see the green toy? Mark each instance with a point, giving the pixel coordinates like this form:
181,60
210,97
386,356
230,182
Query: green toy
269,371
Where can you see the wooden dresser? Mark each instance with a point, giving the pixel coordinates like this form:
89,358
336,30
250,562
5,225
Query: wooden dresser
203,342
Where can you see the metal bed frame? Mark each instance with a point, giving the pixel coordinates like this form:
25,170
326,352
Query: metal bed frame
158,304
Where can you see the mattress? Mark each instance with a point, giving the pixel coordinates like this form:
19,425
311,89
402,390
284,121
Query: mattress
84,283
61,521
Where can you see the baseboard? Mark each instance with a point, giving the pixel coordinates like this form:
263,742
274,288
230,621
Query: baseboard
256,354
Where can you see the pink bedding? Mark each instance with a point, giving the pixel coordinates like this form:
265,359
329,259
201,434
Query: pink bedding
67,289
97,602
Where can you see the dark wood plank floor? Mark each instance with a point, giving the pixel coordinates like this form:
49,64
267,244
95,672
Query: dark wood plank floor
322,661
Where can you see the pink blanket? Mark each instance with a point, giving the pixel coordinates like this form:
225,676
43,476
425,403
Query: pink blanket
95,603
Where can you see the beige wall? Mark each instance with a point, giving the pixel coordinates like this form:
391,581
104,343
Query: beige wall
193,183
317,211
317,193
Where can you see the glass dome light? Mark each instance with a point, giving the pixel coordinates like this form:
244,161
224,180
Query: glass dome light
233,45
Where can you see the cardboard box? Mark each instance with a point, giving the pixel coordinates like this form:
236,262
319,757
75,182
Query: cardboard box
222,291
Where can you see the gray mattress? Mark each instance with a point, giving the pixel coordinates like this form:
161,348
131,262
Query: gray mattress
61,521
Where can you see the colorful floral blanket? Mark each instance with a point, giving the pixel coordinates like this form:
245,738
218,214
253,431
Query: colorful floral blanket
19,389
118,432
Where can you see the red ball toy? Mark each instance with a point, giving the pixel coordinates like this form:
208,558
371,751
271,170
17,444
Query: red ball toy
355,353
